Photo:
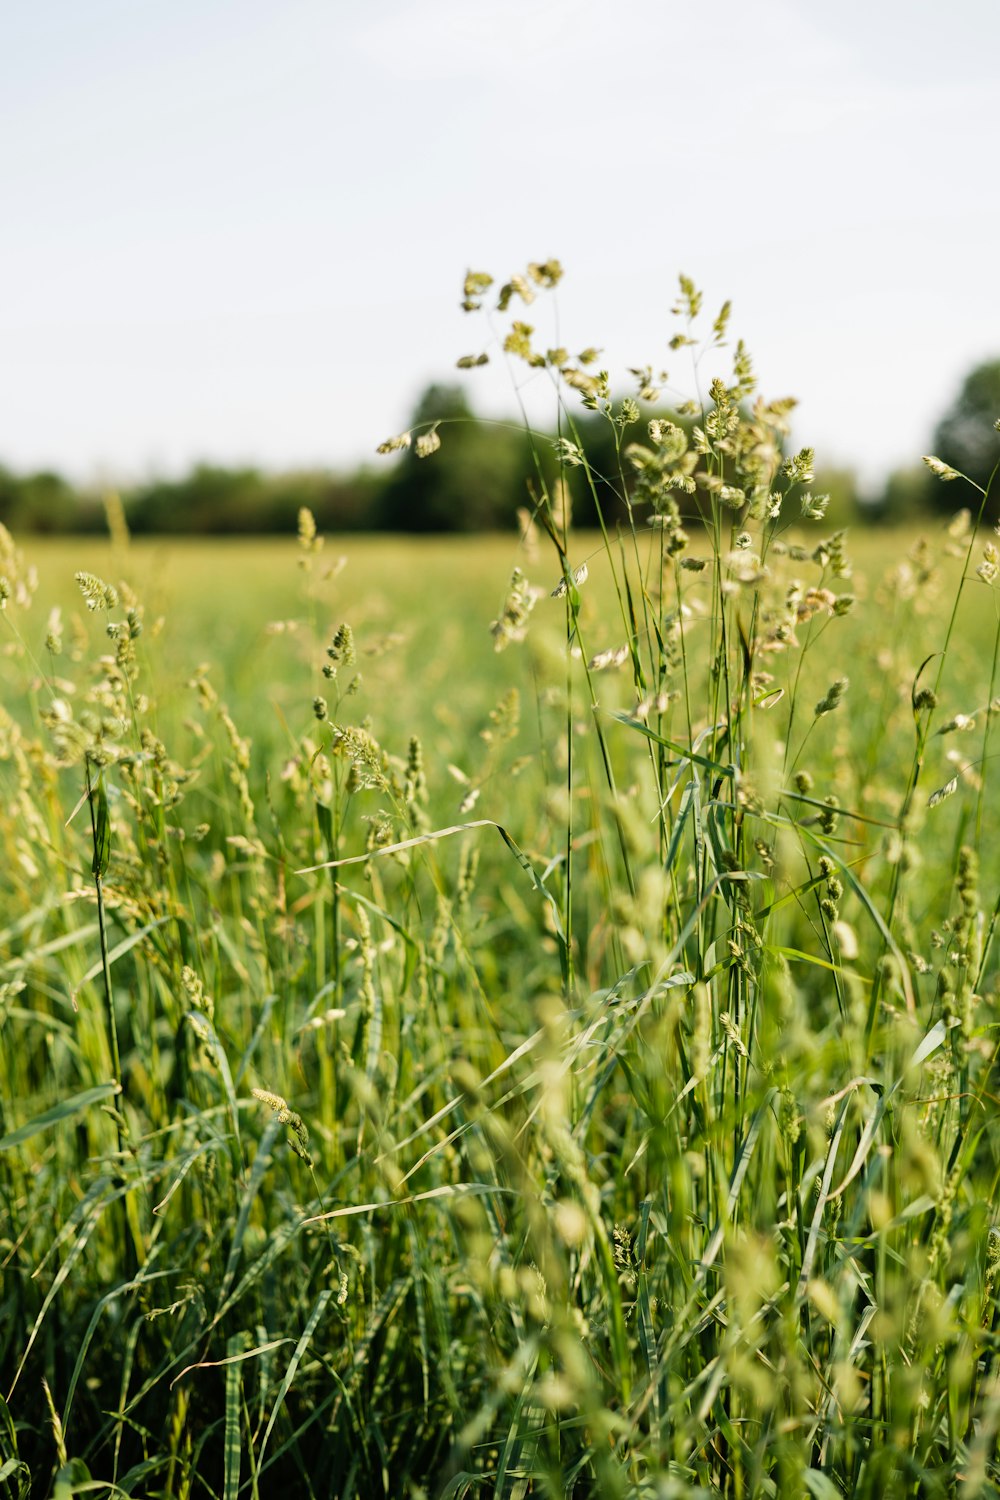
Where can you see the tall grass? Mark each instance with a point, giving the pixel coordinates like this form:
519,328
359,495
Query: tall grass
606,1112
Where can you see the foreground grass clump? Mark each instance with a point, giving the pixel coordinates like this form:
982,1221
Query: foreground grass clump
571,1078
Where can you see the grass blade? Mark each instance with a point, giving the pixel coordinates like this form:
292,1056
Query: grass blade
64,1110
322,1301
231,1441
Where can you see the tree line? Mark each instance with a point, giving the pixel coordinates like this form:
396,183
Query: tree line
483,474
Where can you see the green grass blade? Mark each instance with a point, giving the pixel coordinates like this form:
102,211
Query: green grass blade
262,1162
120,949
518,1451
319,1309
681,751
61,1111
231,1441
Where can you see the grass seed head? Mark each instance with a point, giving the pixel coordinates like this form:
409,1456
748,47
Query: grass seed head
96,593
832,697
941,470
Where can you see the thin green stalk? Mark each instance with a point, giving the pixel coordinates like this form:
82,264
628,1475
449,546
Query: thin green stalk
101,836
987,726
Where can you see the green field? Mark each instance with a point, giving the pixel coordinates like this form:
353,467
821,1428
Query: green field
630,1131
425,605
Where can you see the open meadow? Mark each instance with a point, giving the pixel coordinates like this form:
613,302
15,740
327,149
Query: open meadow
645,1148
499,1018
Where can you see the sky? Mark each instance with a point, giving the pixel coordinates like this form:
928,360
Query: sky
236,230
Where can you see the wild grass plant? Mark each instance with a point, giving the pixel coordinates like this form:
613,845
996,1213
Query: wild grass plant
600,1105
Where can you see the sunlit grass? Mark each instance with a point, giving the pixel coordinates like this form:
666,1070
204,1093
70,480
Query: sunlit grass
434,1070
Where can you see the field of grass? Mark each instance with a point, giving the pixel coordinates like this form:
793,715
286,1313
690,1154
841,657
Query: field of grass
435,1070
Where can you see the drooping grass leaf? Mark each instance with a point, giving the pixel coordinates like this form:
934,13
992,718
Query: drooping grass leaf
64,1110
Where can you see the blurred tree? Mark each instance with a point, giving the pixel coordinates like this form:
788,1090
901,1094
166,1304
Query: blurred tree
905,497
339,502
42,502
610,475
967,439
475,482
217,501
209,499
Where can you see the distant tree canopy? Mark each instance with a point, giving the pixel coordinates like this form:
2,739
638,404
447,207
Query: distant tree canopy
46,503
482,473
476,482
215,500
966,437
905,496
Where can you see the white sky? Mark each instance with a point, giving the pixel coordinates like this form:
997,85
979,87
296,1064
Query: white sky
237,229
